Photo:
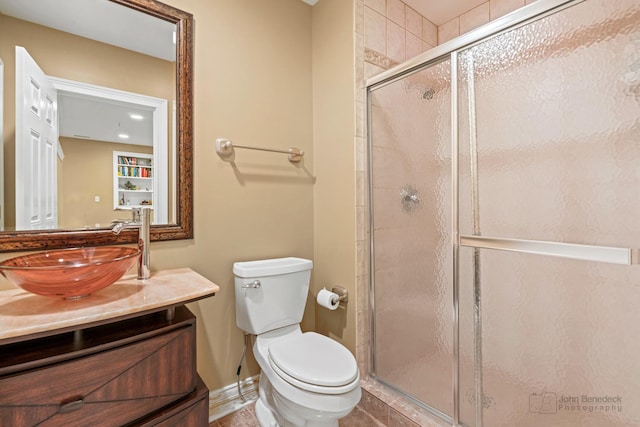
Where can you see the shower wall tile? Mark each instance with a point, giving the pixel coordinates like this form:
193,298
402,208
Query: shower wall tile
362,357
401,410
379,59
449,30
362,253
361,156
396,41
413,22
375,30
402,35
396,419
358,36
398,410
371,70
474,18
379,6
361,191
499,8
363,324
395,12
361,213
375,407
480,15
360,118
414,46
429,32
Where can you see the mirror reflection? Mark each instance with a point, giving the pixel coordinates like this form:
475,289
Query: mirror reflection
88,114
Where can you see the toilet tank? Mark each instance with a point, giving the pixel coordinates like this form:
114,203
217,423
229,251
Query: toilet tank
279,298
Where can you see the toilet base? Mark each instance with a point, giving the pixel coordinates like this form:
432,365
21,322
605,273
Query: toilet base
266,419
272,410
264,415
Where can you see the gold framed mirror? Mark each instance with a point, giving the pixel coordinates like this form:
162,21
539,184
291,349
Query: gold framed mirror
180,224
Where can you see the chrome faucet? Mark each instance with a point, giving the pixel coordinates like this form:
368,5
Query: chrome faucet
141,220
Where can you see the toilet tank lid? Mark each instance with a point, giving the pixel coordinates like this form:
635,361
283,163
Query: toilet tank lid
271,267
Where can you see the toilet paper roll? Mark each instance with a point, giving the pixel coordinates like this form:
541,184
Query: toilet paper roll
328,299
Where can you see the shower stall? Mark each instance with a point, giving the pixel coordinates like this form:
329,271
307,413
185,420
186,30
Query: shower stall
504,200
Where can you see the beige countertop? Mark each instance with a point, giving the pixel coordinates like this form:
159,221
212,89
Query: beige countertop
23,314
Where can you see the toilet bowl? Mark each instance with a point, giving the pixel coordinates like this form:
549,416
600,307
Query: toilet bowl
307,379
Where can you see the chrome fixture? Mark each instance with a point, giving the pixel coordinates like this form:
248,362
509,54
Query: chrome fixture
225,149
410,199
343,294
142,221
428,93
254,285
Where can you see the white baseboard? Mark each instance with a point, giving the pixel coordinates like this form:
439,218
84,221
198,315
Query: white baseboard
226,400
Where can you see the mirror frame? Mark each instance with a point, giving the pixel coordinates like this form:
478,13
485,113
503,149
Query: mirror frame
22,240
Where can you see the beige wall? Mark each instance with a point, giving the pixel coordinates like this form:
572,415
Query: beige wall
334,164
91,62
84,177
253,82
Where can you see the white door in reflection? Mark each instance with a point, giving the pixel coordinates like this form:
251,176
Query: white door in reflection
36,146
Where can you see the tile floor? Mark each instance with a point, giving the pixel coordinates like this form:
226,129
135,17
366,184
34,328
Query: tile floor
245,417
378,407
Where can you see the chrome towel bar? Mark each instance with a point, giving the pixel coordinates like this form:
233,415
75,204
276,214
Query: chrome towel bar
225,147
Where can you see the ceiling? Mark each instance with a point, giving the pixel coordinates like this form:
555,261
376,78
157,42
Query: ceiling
100,119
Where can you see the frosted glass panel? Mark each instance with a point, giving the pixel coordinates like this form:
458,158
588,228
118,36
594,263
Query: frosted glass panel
411,207
557,106
560,343
549,124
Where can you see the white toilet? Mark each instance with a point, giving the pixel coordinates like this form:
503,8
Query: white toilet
307,379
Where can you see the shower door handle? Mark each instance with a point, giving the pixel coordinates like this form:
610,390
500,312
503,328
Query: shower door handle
611,255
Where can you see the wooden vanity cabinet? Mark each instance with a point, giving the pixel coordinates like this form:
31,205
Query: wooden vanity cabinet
135,372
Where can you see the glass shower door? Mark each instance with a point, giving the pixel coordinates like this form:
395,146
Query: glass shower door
410,162
550,147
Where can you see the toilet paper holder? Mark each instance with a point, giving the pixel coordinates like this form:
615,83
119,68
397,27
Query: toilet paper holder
343,294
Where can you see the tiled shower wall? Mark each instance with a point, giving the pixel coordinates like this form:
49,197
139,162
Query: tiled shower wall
393,32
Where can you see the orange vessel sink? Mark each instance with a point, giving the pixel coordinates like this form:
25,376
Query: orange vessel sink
69,273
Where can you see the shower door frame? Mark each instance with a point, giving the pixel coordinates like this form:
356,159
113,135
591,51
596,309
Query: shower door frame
449,51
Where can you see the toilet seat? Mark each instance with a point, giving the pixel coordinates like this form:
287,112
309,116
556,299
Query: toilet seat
314,363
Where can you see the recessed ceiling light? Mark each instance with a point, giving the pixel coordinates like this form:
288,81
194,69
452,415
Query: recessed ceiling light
136,116
123,136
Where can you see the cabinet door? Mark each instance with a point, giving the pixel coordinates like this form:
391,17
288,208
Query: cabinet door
111,388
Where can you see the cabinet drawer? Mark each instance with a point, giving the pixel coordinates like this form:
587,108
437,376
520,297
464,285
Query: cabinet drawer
193,411
110,388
